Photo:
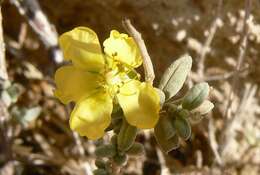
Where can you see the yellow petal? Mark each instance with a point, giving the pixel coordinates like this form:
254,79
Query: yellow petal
74,83
91,116
140,103
122,48
82,47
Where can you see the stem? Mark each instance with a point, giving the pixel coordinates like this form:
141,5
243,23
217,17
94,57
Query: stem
147,62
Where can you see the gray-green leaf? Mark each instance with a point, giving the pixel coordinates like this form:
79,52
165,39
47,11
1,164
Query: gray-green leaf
25,115
197,114
195,96
100,172
106,150
175,76
136,149
126,136
183,127
204,108
166,144
165,127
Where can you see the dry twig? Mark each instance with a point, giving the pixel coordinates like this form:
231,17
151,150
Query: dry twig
40,24
147,62
212,141
205,48
3,70
5,129
165,170
242,52
201,70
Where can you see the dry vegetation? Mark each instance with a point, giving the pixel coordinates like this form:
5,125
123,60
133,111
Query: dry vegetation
223,37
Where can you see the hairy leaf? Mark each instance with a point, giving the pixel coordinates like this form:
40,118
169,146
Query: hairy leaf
195,96
175,76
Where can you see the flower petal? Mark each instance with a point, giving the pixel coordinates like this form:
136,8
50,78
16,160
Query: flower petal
82,47
73,83
122,48
140,103
92,116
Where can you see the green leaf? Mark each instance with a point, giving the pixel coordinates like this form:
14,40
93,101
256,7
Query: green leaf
120,159
195,96
166,134
100,163
6,98
10,94
165,127
100,172
197,114
184,113
25,115
126,136
183,127
166,144
161,95
195,118
136,149
175,76
204,108
15,90
106,150
113,140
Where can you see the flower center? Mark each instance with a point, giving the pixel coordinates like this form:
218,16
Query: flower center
114,80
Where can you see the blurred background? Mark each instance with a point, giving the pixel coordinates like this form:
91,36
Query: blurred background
223,38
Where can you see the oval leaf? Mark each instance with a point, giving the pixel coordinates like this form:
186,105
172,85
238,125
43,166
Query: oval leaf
195,96
161,95
183,127
166,144
120,159
106,151
175,76
100,172
136,149
197,114
165,127
204,108
195,118
126,136
100,163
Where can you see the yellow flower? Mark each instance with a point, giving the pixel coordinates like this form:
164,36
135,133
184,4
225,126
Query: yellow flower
95,81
